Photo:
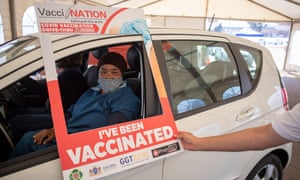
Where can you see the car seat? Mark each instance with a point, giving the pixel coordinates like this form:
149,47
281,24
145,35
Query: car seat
134,57
91,76
97,53
6,137
132,75
72,85
217,70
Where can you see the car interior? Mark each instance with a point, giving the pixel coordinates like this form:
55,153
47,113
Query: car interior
29,95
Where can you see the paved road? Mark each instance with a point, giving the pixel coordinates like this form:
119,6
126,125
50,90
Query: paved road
292,172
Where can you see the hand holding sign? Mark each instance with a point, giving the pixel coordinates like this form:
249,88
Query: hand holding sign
137,26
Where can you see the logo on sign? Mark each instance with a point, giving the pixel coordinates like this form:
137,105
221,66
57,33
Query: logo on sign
74,13
76,174
95,171
109,167
137,157
126,160
165,150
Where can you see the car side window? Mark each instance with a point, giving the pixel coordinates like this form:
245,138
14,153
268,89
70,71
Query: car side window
253,59
201,73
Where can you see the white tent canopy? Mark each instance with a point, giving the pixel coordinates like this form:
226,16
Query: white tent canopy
266,10
180,13
172,13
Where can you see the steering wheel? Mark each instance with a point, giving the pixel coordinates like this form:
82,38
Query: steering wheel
13,94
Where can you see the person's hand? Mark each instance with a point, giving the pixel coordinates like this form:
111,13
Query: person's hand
188,140
44,136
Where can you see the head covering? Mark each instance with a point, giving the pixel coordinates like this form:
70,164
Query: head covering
115,59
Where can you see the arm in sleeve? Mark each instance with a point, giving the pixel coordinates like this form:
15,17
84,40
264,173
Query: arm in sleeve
116,118
127,104
288,124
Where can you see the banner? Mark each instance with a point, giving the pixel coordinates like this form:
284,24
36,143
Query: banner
111,149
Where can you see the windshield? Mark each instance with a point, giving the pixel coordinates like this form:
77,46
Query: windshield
17,47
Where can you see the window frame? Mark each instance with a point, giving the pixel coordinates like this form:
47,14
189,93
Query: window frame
248,85
245,81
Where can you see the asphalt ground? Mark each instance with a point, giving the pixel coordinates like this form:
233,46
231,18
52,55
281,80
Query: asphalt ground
292,82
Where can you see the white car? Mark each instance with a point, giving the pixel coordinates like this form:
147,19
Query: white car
216,83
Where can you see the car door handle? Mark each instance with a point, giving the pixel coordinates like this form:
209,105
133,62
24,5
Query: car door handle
245,115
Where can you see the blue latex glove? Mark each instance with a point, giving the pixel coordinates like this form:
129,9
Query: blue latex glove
137,26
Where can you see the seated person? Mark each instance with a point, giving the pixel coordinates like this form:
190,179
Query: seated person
109,103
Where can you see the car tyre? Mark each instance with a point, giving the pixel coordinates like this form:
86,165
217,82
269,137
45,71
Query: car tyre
269,168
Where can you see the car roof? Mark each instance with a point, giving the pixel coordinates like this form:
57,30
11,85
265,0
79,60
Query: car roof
162,31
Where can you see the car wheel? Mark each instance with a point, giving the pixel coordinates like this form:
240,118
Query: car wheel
269,168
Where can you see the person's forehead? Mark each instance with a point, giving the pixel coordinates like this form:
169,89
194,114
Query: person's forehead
109,67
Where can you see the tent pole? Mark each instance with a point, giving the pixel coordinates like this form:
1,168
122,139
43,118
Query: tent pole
12,15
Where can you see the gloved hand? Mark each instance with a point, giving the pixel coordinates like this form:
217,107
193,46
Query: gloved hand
137,26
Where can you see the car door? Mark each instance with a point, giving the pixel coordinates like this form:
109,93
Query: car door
46,162
23,61
204,82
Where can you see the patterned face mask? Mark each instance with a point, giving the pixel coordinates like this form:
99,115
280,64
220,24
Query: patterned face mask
110,85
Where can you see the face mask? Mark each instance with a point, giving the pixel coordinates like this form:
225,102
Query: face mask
110,85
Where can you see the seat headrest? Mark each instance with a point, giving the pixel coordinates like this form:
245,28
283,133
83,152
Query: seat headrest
70,61
91,76
99,52
222,69
133,58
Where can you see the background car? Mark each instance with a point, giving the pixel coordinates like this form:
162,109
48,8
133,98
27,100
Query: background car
215,84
